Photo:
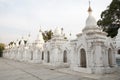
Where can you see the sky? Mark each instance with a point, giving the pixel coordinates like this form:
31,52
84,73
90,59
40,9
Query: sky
18,18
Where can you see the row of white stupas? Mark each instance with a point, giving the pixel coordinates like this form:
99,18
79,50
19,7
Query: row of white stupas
26,41
90,52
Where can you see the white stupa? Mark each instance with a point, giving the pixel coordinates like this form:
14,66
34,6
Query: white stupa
57,31
39,41
91,23
17,43
22,41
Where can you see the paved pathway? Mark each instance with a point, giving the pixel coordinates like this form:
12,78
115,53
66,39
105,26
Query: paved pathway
14,70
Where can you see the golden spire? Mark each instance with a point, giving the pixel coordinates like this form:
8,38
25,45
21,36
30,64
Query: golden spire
89,9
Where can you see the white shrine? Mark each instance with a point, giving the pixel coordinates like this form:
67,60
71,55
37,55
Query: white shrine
90,52
117,45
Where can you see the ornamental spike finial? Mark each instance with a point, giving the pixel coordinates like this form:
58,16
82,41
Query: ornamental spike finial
89,9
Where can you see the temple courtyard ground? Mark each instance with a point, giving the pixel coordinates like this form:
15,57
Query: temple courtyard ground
14,70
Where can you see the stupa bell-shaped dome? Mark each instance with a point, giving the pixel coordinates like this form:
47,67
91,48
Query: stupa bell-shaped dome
29,39
22,41
40,36
57,31
90,22
39,41
13,45
17,43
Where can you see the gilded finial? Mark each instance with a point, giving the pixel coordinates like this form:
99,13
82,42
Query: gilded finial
89,9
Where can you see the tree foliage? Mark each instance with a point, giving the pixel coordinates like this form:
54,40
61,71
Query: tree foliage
110,18
47,35
2,47
25,42
11,43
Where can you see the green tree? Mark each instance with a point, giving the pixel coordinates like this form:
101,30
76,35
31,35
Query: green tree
25,42
11,43
110,18
47,35
2,47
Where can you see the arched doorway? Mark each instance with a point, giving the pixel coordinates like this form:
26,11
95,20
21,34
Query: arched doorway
31,55
1,54
65,56
110,57
48,57
119,51
42,55
83,58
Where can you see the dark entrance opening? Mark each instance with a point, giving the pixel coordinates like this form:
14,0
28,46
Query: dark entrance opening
48,57
42,55
65,56
83,58
110,57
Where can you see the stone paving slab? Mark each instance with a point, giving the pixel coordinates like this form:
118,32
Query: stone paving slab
15,70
